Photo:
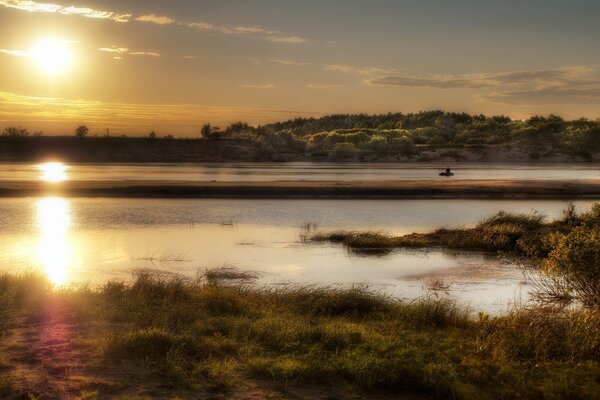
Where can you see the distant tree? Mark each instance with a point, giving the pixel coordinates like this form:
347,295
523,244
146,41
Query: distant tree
38,133
14,131
152,135
210,132
206,131
82,131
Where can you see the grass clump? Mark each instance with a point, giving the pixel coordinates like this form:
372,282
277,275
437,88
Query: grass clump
565,251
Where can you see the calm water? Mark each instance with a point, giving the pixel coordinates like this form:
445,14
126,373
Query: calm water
92,240
304,172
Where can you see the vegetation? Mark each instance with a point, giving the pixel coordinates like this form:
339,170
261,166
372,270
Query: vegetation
409,135
167,337
82,131
566,251
427,135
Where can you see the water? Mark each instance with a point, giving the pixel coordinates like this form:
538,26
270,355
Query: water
92,240
304,171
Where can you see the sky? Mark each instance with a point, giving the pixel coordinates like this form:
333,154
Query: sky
170,66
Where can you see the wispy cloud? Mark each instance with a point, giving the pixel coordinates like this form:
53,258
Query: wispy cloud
258,31
16,53
286,39
322,86
156,19
484,80
145,53
287,62
353,70
114,49
119,51
128,118
577,84
263,86
33,6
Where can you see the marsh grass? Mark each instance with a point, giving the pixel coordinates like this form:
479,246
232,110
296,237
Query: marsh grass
196,333
565,252
227,273
500,232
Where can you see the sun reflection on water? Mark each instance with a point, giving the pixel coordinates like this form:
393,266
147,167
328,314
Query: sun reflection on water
53,172
54,247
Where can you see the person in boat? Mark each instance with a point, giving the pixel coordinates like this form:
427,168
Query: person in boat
448,171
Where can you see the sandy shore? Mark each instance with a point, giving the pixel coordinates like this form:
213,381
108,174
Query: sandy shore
500,189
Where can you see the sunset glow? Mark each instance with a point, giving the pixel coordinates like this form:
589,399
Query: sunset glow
170,67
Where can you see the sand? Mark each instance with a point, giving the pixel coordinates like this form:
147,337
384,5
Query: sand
398,189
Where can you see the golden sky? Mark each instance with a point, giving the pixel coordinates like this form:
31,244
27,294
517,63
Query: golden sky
170,66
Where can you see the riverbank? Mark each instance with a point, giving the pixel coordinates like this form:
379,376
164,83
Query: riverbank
397,189
210,337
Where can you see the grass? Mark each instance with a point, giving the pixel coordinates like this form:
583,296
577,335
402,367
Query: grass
190,335
501,232
565,252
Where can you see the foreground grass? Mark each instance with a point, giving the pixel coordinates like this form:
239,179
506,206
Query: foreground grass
166,337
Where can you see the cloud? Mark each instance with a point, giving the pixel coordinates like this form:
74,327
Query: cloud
16,53
114,49
352,70
119,51
264,86
156,19
145,53
322,86
257,31
574,85
58,114
564,94
486,80
33,6
286,39
287,62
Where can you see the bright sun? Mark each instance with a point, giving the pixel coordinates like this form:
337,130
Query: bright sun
53,56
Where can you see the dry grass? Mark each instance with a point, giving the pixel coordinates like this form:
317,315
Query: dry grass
192,334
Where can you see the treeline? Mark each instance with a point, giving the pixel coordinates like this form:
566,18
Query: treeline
427,135
342,136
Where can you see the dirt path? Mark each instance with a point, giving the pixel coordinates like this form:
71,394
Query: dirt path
51,356
48,359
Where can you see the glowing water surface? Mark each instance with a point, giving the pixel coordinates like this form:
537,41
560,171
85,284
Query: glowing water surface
296,171
75,241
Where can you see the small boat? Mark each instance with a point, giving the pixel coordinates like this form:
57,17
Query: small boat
444,173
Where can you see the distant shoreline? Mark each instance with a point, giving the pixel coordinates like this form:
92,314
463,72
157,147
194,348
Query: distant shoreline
397,189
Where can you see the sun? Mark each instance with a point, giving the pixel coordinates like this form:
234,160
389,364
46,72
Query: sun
52,56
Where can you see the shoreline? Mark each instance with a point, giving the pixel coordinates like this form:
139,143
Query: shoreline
397,189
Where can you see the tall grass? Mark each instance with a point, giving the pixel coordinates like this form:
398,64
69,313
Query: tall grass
190,332
565,252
